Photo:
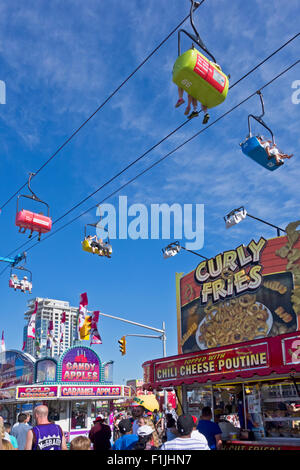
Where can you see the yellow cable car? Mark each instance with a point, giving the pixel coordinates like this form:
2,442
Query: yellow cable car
91,244
200,77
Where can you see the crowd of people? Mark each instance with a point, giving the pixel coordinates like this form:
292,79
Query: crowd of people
137,429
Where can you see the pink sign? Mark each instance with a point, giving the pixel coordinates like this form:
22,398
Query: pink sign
37,392
105,391
80,365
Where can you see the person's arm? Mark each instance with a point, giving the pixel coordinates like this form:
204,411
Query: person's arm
1,427
29,440
218,438
63,442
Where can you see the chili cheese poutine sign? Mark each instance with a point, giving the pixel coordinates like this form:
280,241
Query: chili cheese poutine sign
241,295
222,362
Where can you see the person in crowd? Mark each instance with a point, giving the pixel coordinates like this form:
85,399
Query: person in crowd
209,429
8,436
137,413
170,410
127,439
161,426
184,441
20,430
145,439
45,435
100,434
116,432
195,433
250,424
2,432
7,445
80,443
171,427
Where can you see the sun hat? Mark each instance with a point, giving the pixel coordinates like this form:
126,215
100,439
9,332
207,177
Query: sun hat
144,430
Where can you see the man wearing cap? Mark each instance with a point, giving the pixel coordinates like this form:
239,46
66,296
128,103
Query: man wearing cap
127,439
100,434
185,441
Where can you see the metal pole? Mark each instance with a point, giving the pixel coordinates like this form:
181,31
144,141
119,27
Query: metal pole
194,252
129,321
164,341
267,223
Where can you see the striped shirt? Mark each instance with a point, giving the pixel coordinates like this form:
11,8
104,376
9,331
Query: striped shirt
181,443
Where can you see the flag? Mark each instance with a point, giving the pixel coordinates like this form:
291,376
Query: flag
62,327
24,344
95,337
2,348
50,335
31,323
84,320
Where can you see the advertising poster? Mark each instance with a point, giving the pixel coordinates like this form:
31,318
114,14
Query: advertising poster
247,293
80,364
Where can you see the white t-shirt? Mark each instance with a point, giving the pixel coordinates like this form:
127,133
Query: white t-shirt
274,151
182,443
265,144
197,435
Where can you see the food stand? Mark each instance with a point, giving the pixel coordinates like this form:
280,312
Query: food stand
74,388
239,343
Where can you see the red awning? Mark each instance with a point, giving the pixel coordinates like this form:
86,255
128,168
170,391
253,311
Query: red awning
279,355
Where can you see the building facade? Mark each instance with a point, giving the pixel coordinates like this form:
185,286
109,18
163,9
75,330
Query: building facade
50,310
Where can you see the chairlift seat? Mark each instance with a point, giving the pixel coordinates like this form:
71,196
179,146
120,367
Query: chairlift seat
253,149
33,221
87,247
200,78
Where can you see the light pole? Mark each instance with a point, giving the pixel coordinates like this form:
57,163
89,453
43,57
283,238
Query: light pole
237,215
163,336
174,248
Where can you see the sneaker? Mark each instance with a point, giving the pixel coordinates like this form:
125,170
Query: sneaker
193,114
179,102
205,119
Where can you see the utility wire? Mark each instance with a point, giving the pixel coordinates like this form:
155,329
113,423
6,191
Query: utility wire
99,107
158,143
168,154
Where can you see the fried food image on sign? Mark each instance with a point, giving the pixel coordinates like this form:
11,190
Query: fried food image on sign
233,321
276,286
286,317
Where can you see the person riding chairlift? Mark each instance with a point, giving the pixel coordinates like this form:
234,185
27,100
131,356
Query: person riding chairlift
14,281
194,102
272,151
26,285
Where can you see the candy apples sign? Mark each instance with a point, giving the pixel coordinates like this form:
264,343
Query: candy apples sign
80,365
241,295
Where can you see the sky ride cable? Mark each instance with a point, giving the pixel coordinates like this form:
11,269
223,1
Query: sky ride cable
167,155
157,144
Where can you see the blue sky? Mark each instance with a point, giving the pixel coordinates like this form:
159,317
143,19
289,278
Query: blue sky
59,61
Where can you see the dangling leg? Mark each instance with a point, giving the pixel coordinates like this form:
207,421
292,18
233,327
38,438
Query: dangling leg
195,112
206,115
180,98
30,235
188,108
